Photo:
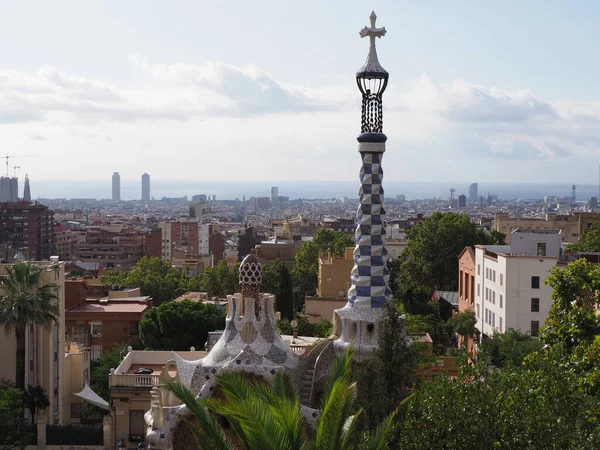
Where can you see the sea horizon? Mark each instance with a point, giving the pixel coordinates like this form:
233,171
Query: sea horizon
230,190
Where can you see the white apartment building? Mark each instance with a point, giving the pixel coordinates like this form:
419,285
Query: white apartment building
509,282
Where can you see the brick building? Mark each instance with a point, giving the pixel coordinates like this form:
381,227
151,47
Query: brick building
65,242
115,247
152,244
27,228
101,322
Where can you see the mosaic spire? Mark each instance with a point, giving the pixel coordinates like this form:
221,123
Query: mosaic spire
370,275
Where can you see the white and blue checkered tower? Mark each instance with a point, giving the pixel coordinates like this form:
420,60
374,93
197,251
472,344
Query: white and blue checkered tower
358,323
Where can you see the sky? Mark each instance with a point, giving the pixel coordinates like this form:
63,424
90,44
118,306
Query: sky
265,90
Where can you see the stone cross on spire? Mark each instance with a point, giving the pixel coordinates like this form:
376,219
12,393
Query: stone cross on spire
372,64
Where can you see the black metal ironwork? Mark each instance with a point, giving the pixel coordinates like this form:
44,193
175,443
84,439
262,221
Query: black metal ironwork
372,113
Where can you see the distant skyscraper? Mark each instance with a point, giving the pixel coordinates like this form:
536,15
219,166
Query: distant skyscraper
116,186
274,193
462,200
27,190
473,194
145,187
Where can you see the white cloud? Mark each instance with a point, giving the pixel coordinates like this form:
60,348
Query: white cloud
212,109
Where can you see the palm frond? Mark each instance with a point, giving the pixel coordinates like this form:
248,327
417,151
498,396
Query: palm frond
337,407
341,369
283,387
380,439
351,432
207,433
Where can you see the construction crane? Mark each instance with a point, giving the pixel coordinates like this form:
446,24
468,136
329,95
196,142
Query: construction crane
12,157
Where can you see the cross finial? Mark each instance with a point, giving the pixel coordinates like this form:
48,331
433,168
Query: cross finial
373,31
372,65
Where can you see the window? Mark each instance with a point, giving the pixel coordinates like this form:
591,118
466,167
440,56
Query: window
493,319
535,305
487,293
535,282
86,375
478,269
541,249
494,297
478,311
137,426
96,329
501,279
500,324
535,327
478,289
96,351
501,301
75,410
494,276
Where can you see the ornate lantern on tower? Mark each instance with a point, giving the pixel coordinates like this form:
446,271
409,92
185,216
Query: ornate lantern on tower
358,323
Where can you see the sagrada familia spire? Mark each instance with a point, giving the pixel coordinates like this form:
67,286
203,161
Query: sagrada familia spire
357,324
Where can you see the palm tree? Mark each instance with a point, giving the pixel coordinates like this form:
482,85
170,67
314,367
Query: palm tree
35,397
24,301
267,416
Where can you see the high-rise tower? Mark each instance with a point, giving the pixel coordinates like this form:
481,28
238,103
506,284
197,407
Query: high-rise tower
358,323
116,187
27,190
473,195
145,187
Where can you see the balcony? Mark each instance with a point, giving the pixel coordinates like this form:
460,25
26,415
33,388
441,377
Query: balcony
134,381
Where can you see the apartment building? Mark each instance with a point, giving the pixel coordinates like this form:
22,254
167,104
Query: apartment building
44,351
66,242
27,228
509,282
571,225
466,290
188,239
113,246
100,322
334,282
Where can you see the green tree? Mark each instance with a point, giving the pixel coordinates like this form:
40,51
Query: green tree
306,267
277,280
35,397
463,323
25,301
535,406
180,325
267,416
507,349
100,369
322,329
155,278
495,238
430,259
589,241
220,280
393,364
11,402
570,333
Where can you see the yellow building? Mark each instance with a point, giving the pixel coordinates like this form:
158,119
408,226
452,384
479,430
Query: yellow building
571,226
44,352
334,282
76,375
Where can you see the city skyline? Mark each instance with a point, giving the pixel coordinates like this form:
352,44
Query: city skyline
465,94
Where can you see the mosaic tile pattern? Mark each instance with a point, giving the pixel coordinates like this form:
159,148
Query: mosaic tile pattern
370,275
